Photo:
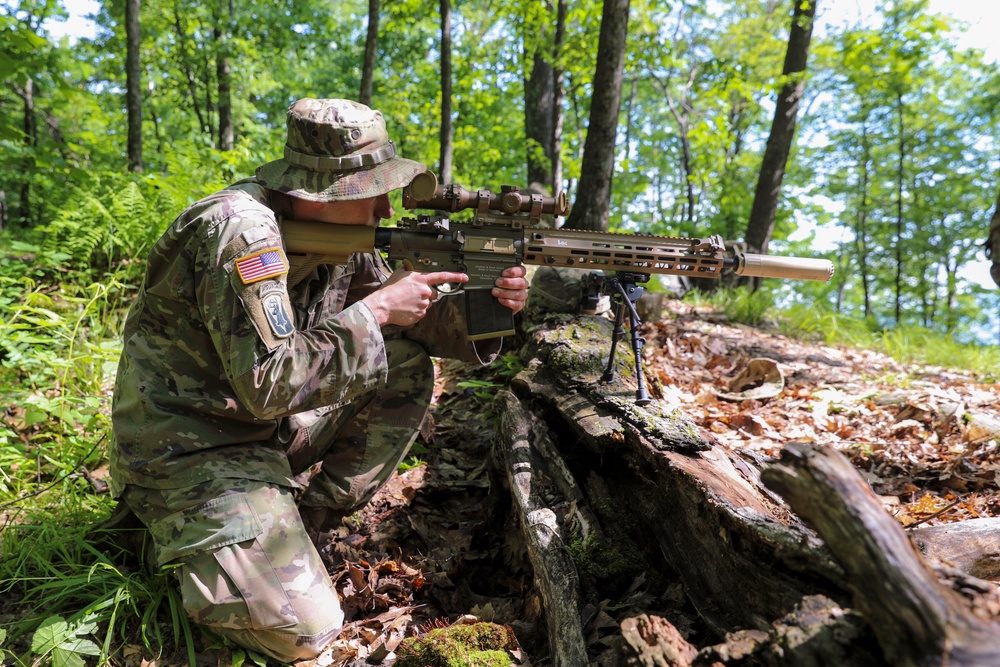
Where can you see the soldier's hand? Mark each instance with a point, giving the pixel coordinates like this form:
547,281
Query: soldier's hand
512,288
404,298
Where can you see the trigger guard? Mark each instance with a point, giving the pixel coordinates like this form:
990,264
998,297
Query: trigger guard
445,289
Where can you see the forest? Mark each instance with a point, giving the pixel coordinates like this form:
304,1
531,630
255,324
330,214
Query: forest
872,143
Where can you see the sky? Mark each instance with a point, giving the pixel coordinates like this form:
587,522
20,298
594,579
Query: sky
983,16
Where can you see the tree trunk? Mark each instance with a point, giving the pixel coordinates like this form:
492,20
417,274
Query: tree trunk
133,85
27,95
539,100
557,96
223,76
992,243
779,142
371,52
900,223
587,467
447,146
185,65
593,202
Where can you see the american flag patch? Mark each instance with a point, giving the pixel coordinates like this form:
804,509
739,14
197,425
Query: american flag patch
267,263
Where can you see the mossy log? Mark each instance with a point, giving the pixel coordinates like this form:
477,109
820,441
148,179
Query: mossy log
763,584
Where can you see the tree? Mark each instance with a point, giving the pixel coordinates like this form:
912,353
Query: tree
447,147
223,76
371,53
590,210
133,84
760,226
543,94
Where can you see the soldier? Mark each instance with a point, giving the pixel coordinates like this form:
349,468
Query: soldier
241,371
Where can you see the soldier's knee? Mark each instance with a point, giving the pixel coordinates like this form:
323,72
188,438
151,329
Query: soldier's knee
304,641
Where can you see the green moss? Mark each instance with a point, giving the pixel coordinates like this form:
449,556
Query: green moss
473,645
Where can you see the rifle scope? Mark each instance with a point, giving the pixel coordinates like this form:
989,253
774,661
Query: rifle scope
425,192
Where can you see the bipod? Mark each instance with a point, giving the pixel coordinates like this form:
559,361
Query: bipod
627,294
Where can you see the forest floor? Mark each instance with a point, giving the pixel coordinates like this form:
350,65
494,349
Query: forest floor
438,544
435,547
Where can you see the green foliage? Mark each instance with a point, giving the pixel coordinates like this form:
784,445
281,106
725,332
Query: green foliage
896,157
909,344
740,304
66,644
78,603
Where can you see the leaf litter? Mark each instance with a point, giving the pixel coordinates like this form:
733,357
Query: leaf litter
426,552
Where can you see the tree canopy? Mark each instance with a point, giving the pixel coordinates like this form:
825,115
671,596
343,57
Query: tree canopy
894,154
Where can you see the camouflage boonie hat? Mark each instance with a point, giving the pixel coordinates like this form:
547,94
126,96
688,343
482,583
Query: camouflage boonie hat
337,150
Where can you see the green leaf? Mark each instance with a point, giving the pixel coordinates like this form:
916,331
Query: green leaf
81,645
51,633
63,658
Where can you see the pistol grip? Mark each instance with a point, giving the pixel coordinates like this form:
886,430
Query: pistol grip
486,316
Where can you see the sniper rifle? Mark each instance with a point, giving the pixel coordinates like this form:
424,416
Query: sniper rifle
504,231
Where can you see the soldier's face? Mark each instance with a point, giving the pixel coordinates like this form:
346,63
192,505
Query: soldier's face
356,212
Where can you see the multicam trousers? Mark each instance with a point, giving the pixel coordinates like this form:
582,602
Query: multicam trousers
238,548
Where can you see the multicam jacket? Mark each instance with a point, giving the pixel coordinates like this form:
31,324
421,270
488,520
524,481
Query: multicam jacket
219,347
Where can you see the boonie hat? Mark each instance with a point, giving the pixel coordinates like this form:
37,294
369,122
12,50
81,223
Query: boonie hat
337,150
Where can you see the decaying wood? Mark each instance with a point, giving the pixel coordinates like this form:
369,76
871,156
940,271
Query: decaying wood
528,475
917,620
972,547
654,642
818,575
759,579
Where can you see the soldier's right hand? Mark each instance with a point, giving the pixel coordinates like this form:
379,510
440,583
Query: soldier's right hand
404,298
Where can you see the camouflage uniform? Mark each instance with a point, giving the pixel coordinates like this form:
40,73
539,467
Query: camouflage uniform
234,380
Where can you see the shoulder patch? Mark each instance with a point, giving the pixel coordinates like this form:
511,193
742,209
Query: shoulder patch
277,314
267,263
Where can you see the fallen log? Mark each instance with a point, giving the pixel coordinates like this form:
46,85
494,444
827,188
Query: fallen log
917,620
760,581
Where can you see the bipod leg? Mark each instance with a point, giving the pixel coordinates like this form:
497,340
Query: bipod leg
628,295
616,334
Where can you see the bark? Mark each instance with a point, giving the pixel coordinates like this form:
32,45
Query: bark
539,116
525,464
558,94
133,85
27,94
992,243
900,222
223,76
447,131
779,142
586,465
185,66
593,202
371,52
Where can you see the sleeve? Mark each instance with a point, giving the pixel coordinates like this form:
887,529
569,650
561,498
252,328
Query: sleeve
275,368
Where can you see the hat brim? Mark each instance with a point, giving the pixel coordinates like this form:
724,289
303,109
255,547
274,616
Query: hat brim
295,181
